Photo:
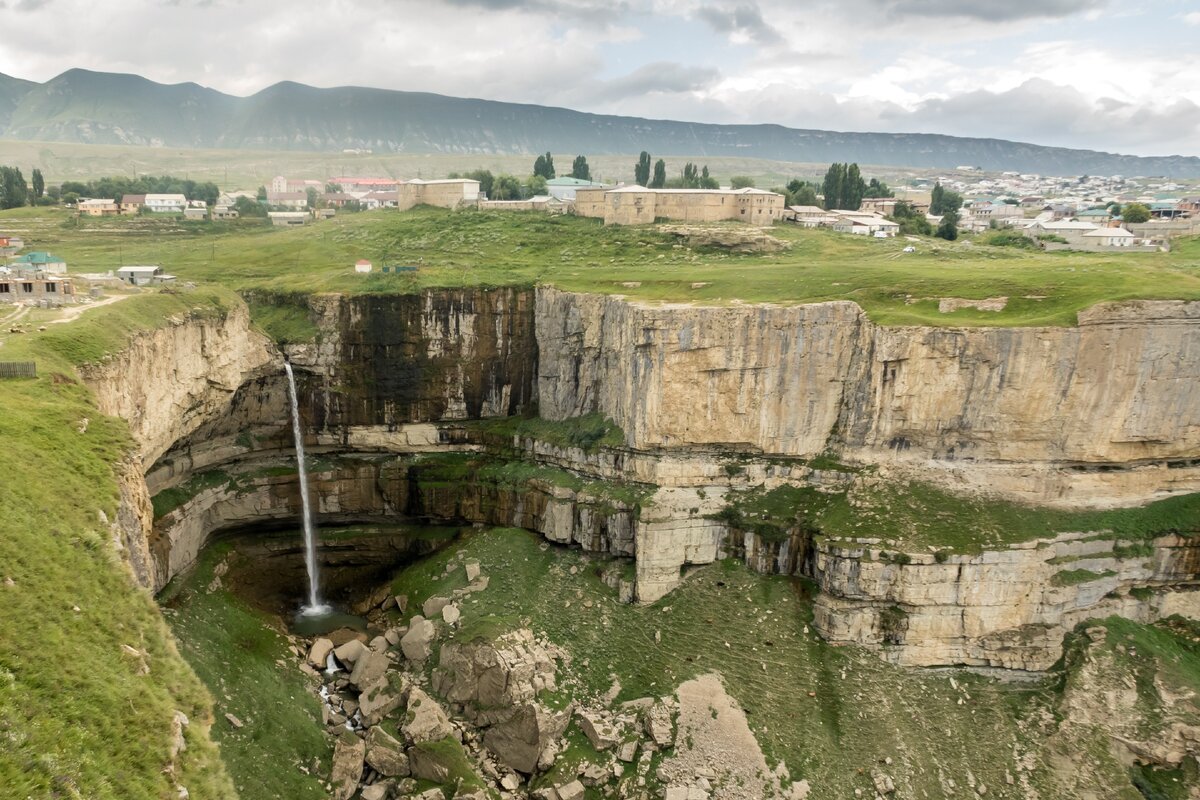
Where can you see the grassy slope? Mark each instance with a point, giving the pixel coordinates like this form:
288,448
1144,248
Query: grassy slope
490,249
726,619
75,717
282,753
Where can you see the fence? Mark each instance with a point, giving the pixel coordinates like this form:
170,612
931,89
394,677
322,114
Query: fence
18,369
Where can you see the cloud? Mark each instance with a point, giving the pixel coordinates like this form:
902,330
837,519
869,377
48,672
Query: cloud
1008,11
658,78
744,21
1192,18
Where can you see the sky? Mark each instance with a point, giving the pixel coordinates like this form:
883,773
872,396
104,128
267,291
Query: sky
1111,75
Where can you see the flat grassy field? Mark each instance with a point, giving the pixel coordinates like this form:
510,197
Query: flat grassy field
505,249
249,169
89,674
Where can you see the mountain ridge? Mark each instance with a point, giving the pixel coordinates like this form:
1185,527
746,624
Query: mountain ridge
92,107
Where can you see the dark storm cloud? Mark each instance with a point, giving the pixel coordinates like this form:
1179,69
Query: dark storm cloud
745,19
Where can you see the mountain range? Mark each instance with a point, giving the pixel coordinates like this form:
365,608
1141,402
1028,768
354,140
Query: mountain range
109,108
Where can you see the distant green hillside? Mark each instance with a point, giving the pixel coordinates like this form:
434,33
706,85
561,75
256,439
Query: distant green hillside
104,108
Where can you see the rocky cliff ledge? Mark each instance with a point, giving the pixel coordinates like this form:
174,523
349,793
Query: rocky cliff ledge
711,403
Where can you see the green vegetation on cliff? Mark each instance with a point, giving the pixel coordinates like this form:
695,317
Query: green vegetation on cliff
455,249
90,679
914,516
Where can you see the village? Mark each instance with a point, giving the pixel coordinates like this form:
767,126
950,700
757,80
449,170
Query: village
1083,213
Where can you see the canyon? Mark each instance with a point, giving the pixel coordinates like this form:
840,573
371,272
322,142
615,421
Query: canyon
631,428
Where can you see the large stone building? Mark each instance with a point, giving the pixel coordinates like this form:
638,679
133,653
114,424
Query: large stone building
637,205
446,193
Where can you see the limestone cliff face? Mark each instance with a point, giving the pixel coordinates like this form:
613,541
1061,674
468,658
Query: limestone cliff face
170,380
768,378
1003,608
1042,414
441,354
374,488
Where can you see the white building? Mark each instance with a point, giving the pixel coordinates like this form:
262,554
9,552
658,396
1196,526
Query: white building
166,203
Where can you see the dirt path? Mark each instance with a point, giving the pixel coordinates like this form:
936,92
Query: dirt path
72,312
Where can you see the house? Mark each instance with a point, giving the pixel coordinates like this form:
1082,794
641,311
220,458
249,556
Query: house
40,289
283,219
195,213
807,216
565,188
1109,237
881,205
98,208
295,200
224,212
1166,210
1097,216
635,205
362,266
132,203
373,200
144,275
166,203
10,244
864,224
41,262
447,193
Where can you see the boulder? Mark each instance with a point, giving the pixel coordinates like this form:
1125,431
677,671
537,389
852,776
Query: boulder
434,761
377,791
348,756
318,654
472,568
519,740
450,614
369,669
599,730
382,699
425,721
509,671
385,754
434,606
415,643
570,791
350,652
659,726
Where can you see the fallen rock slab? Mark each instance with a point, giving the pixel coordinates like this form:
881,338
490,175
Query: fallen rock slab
416,643
425,720
348,756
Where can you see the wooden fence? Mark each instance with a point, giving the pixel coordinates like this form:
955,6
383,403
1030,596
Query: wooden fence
18,369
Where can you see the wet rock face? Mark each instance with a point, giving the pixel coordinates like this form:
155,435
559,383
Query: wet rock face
444,354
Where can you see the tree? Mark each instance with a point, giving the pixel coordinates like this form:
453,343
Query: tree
506,187
543,166
912,222
13,191
942,200
536,186
741,182
660,175
877,188
336,188
641,170
260,195
39,184
580,169
249,208
707,181
831,186
311,195
1136,213
853,189
948,228
691,176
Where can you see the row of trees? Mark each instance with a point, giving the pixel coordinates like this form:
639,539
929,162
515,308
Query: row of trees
844,188
543,167
15,192
692,176
119,186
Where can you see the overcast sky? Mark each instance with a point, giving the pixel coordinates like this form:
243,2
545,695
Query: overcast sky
1118,76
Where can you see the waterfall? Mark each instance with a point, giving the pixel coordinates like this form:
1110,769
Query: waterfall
310,535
